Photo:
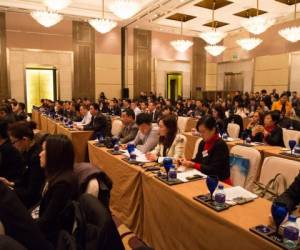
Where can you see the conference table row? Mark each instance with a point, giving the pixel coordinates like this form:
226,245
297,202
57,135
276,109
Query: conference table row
167,217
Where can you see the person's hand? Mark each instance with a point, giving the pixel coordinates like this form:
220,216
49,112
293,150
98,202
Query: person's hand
151,157
266,133
123,146
187,164
7,182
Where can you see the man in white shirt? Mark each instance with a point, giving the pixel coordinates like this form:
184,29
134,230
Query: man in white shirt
85,113
135,108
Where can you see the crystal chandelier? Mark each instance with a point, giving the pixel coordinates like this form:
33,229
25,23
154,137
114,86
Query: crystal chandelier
46,18
102,25
249,43
57,4
215,50
213,36
125,9
181,45
257,25
292,34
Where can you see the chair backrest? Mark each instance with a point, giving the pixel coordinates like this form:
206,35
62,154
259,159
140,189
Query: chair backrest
254,168
196,147
233,130
116,127
93,188
2,231
182,123
273,165
290,135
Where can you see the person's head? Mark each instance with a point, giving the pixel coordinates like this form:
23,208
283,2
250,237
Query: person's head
199,104
262,103
3,130
57,156
151,106
294,94
126,103
14,106
144,122
21,107
3,111
263,92
283,98
168,126
83,109
127,116
257,117
21,135
271,118
94,109
167,110
143,106
206,126
218,112
133,105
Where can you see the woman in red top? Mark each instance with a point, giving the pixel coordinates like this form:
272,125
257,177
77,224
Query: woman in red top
213,154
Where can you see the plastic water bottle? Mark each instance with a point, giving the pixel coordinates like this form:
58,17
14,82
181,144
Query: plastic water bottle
225,136
291,233
220,197
172,174
248,140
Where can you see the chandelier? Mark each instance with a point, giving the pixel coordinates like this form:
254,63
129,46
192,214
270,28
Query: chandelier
249,43
125,9
46,18
292,34
257,25
215,50
102,25
213,36
57,4
181,45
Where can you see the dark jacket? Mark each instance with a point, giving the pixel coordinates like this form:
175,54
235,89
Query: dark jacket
128,133
11,162
155,115
275,138
100,124
18,223
29,186
56,197
291,197
22,116
217,161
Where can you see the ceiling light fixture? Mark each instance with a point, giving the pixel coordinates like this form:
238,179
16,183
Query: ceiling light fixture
125,9
213,36
181,45
291,34
249,43
46,18
102,25
257,25
57,4
215,50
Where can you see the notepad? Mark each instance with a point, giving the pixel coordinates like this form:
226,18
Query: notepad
189,173
140,157
237,192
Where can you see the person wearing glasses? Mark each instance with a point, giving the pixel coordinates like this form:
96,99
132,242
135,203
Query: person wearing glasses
28,187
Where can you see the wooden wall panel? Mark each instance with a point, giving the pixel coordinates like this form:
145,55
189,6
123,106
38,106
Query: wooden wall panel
198,68
4,89
84,60
142,61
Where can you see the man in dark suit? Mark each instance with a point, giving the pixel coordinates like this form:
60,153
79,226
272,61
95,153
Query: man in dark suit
153,111
130,129
100,124
266,98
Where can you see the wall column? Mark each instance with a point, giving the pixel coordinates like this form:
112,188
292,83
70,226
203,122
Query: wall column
4,89
84,60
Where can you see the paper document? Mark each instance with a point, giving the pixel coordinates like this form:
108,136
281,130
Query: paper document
236,192
189,173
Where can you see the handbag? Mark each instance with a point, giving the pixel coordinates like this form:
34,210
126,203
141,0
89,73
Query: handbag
270,191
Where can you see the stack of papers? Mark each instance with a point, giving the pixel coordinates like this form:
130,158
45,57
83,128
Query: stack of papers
140,157
238,192
189,173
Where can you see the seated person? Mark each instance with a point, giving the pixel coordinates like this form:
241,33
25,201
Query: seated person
153,111
257,119
270,132
219,114
171,143
130,129
99,123
283,105
147,136
85,114
28,187
20,112
291,197
213,155
57,158
7,114
11,162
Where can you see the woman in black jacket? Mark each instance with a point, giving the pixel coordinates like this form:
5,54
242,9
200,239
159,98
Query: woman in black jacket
213,154
270,132
57,157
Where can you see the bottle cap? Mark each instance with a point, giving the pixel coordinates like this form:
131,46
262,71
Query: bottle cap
221,186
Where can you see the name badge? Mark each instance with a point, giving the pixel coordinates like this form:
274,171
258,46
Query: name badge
204,153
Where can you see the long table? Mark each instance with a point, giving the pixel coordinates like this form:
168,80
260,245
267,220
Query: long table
36,117
167,217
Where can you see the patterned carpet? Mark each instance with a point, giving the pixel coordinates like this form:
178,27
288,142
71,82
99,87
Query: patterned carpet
130,240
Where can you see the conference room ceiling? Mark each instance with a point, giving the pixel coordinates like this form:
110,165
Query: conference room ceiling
165,15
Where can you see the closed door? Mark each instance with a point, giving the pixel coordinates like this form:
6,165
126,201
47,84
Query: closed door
174,86
233,82
40,84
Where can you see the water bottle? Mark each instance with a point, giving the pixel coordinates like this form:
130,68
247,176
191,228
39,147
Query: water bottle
248,140
116,147
225,136
220,197
172,174
291,233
